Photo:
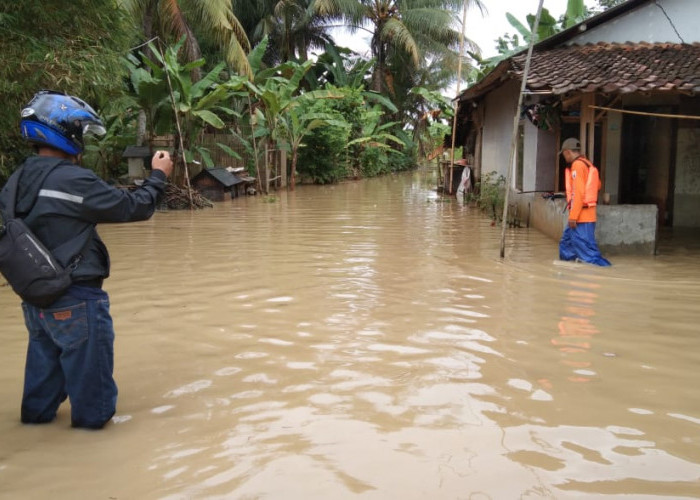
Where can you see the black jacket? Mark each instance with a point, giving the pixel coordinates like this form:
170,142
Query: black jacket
65,208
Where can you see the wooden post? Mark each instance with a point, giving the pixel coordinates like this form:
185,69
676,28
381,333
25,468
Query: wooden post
267,169
459,81
587,125
283,168
478,123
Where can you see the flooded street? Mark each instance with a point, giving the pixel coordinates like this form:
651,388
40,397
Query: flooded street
365,340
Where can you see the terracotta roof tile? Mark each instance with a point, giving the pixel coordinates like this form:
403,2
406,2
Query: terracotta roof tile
613,68
602,67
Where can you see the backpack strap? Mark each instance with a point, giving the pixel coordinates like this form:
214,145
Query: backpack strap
585,160
13,187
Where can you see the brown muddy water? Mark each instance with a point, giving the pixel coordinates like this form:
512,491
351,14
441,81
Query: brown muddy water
366,341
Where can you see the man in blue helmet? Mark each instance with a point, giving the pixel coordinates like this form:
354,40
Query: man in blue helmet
71,342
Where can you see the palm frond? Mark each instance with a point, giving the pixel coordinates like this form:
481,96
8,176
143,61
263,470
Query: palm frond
396,33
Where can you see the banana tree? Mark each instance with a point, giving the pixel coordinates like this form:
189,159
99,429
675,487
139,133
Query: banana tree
336,66
378,134
296,124
193,106
576,12
509,45
371,150
278,116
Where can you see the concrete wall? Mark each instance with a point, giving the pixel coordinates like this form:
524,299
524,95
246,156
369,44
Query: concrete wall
547,216
621,229
539,162
539,148
547,154
627,229
498,128
529,154
649,24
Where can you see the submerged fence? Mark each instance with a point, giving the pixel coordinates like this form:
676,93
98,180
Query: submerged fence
220,157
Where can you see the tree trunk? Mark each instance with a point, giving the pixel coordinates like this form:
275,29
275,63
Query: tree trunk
178,177
141,128
293,170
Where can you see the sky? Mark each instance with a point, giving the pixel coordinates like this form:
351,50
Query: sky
483,30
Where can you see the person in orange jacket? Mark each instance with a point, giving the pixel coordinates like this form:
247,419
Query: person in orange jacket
578,241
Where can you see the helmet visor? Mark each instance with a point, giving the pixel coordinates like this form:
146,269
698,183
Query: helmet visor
92,128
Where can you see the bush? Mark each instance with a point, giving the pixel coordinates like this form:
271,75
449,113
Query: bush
491,191
322,158
373,162
407,157
47,47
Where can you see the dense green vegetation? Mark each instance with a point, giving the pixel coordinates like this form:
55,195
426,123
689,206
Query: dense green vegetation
64,48
184,68
263,72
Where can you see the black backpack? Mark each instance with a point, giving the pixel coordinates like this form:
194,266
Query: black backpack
27,265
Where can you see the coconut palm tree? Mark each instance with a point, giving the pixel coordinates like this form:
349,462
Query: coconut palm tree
408,31
170,20
291,26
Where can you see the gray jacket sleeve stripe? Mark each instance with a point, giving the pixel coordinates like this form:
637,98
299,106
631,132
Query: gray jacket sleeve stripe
60,195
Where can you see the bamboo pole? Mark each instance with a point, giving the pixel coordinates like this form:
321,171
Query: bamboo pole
644,113
459,81
516,121
255,145
179,130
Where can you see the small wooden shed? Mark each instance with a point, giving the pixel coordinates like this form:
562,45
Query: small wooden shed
216,183
248,186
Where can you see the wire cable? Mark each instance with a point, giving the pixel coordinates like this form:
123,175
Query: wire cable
656,2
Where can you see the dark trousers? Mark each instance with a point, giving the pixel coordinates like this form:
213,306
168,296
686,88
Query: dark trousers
70,354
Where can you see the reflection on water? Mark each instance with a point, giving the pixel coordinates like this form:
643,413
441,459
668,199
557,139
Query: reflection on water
365,340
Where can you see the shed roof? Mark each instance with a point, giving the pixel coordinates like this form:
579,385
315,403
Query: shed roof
602,67
137,152
222,175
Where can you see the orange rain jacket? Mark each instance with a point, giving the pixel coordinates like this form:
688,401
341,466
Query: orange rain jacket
576,186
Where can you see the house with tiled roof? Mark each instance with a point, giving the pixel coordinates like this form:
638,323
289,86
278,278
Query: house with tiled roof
627,83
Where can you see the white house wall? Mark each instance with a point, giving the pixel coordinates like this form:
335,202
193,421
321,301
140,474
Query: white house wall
529,155
539,148
649,24
539,158
498,128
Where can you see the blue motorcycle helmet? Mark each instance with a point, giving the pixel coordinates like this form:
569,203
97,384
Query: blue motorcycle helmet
60,121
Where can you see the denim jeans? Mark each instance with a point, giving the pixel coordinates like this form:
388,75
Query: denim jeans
70,354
